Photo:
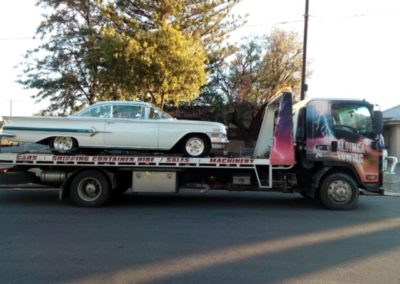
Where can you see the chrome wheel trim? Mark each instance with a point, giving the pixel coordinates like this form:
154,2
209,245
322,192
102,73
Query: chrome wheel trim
89,189
62,143
195,146
340,191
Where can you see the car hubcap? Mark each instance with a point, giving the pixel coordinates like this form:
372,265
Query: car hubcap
63,143
340,191
195,146
89,189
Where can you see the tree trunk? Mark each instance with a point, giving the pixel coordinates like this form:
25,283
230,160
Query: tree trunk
162,101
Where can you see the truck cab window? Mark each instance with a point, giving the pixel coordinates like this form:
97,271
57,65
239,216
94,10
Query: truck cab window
353,118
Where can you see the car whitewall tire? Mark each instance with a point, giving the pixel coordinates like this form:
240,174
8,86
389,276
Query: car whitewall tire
63,144
196,146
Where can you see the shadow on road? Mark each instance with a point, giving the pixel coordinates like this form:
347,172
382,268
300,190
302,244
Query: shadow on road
218,237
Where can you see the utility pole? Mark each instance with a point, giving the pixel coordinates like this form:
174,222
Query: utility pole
303,71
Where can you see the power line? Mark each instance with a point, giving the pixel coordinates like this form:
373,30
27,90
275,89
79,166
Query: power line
319,18
16,38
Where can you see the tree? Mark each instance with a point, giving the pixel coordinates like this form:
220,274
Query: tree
244,73
209,21
257,71
245,94
173,37
160,66
281,66
124,49
62,67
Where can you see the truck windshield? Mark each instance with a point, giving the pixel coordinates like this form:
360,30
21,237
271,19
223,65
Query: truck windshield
353,118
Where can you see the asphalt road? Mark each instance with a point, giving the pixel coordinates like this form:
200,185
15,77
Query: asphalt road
218,237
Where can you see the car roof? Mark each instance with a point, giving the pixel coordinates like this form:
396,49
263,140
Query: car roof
136,103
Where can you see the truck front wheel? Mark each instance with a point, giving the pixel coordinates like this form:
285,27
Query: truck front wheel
90,188
339,191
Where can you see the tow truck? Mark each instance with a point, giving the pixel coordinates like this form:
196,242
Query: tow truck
325,149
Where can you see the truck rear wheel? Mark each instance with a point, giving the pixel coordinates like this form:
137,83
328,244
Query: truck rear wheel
90,188
339,192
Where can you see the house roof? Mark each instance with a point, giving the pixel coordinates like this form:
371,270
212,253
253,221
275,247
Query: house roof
392,114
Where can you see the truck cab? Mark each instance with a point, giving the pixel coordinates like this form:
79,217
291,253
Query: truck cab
340,138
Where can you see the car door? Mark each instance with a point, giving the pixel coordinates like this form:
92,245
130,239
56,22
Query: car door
129,128
94,118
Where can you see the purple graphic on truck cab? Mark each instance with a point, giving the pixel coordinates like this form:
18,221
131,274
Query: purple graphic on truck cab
282,153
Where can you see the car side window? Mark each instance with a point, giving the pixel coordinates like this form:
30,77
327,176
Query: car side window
154,114
101,111
127,111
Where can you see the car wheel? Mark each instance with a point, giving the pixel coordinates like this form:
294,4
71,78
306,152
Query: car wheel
196,146
63,144
339,192
90,189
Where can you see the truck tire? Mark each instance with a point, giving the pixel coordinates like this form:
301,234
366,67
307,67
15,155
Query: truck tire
90,188
339,191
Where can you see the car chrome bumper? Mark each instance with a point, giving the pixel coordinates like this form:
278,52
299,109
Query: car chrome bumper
218,146
219,142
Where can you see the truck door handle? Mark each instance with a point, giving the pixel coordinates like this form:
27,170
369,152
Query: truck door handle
334,146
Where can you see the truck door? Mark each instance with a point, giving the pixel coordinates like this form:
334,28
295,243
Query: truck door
343,132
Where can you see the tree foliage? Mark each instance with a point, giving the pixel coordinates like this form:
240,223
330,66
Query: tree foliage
160,65
209,21
256,72
123,49
61,68
281,66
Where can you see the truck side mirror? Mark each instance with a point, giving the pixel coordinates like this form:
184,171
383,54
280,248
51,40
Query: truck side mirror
378,121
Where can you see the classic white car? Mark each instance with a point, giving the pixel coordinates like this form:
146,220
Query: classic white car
119,125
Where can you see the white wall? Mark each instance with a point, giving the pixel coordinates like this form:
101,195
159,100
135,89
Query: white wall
392,140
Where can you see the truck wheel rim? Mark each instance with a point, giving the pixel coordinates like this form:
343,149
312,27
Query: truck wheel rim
89,189
340,191
63,143
195,146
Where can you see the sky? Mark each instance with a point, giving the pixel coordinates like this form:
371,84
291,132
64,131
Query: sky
353,46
